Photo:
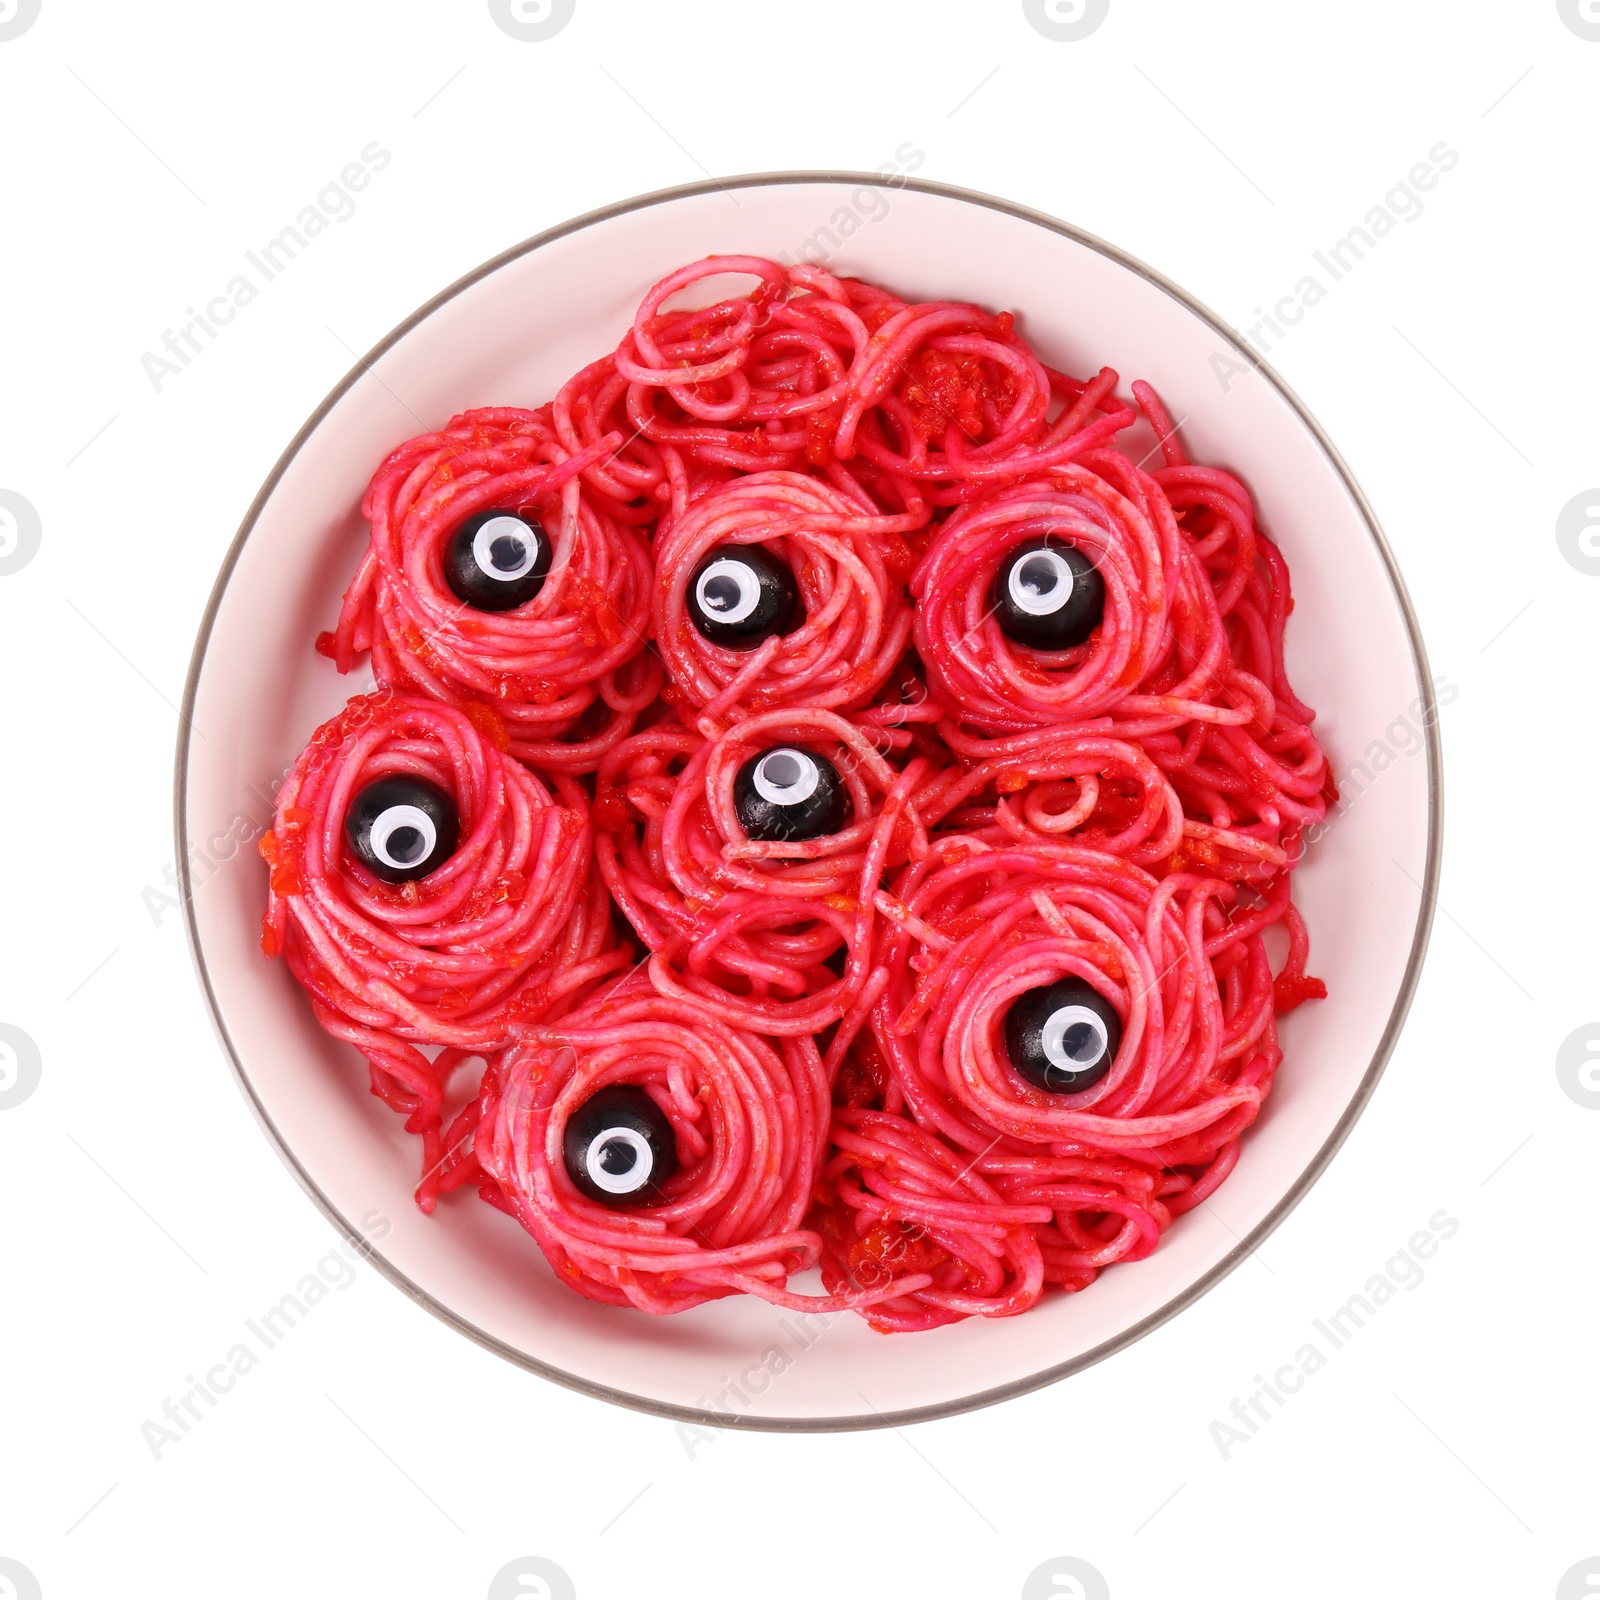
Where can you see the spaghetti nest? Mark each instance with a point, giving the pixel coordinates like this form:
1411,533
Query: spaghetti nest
849,563
749,1124
1159,649
1006,1186
556,680
769,934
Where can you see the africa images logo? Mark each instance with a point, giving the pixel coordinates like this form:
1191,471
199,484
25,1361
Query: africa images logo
20,532
1066,21
16,17
532,21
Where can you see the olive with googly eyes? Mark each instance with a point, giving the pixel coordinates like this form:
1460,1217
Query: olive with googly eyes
618,1147
789,793
1048,595
742,594
401,827
1063,1036
497,560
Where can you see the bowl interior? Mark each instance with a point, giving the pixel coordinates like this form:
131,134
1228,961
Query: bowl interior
511,335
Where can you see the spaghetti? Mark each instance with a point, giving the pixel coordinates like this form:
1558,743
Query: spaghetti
773,933
847,564
558,678
507,928
985,1139
1159,611
747,1125
850,675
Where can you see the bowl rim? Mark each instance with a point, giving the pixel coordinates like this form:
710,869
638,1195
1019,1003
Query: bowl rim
1017,1387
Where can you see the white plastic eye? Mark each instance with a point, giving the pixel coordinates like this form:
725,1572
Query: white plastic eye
728,590
1041,583
1073,1038
619,1161
402,836
786,777
505,549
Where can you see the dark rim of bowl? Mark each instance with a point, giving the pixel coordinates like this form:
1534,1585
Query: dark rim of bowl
1247,1245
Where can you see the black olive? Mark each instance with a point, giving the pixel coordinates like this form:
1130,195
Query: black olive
497,560
618,1147
1048,595
741,594
789,792
401,827
1063,1036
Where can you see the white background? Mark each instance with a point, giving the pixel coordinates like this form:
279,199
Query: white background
1446,1449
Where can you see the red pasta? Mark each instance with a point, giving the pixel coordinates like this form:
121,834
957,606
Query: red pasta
1104,792
1090,1177
846,673
556,680
849,564
771,934
997,921
749,1124
1268,777
1160,611
508,929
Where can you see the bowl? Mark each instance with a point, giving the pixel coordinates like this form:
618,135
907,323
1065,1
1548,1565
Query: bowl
510,333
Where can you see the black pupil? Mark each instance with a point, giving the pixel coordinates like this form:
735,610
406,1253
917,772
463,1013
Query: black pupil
1039,576
506,552
405,844
617,1156
1081,1042
720,593
783,770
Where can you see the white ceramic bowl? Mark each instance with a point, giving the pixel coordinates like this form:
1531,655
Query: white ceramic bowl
509,334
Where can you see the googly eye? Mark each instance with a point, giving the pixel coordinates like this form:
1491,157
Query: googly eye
402,836
789,793
618,1147
1063,1037
728,591
401,828
497,560
618,1160
1074,1039
1048,595
505,549
1040,583
742,594
786,777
